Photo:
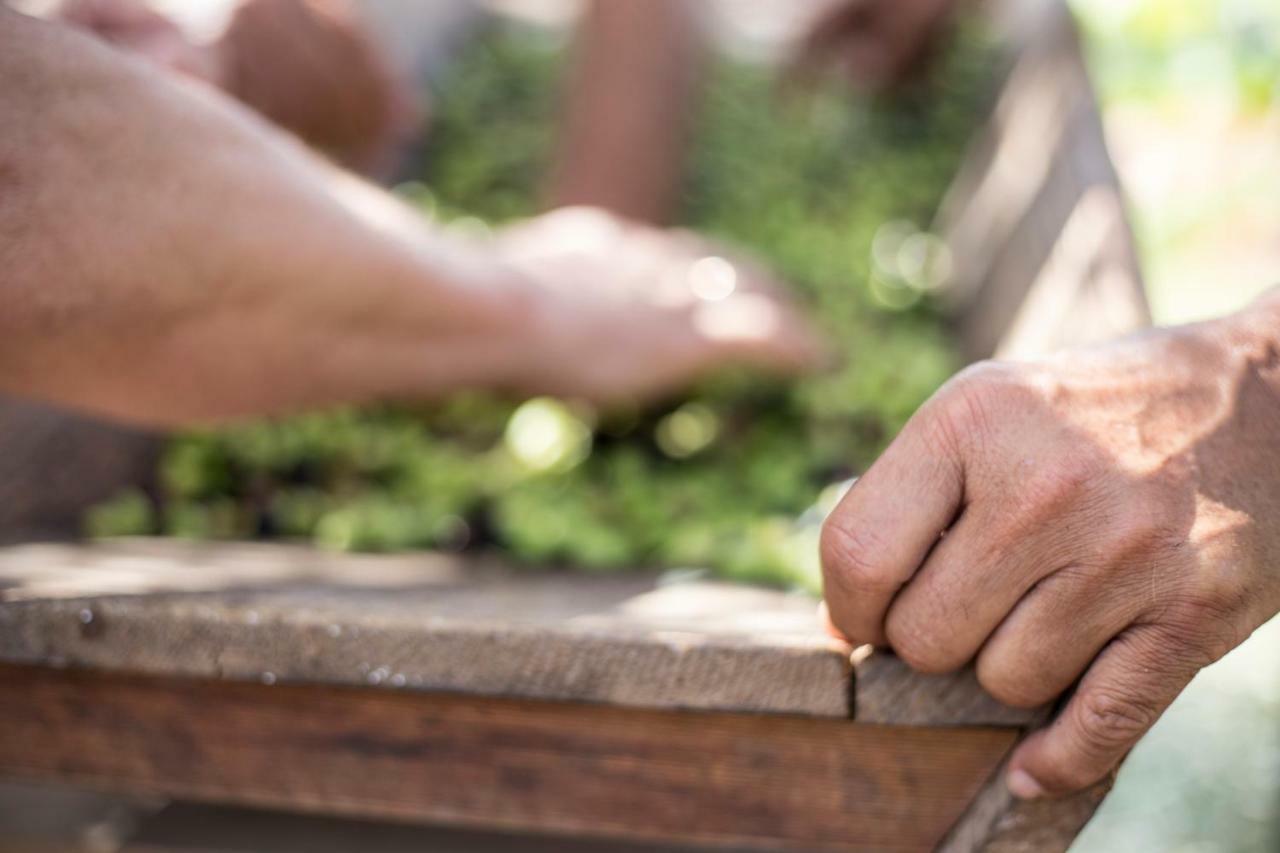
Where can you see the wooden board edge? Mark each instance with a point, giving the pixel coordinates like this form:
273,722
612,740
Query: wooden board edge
998,822
656,670
887,691
699,778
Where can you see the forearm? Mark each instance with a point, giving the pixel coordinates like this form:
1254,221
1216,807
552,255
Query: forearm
166,257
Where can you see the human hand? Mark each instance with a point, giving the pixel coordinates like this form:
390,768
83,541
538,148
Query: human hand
1113,513
876,44
315,68
626,313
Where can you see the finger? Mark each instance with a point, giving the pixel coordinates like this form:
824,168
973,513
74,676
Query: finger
976,575
883,529
1054,633
829,627
1130,684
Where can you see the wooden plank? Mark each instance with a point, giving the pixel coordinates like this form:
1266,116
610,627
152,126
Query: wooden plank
421,622
888,691
997,823
253,612
692,777
1034,219
202,828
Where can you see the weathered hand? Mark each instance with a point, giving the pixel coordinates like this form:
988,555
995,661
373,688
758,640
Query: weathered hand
626,312
1113,513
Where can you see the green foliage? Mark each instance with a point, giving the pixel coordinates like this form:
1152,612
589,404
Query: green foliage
822,186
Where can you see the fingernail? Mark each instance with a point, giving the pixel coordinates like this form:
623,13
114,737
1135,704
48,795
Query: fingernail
1023,786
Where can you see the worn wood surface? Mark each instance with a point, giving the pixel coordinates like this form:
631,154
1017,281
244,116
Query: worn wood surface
710,778
254,612
995,822
199,828
420,622
888,691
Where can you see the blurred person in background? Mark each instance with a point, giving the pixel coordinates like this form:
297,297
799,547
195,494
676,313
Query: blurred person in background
1105,519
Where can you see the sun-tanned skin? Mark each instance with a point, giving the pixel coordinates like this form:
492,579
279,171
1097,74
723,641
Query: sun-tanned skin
167,257
1111,513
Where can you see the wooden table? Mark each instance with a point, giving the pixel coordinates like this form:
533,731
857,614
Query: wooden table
425,687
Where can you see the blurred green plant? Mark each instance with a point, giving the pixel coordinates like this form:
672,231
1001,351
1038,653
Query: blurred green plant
824,186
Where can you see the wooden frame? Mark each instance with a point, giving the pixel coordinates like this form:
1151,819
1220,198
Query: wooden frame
395,686
771,781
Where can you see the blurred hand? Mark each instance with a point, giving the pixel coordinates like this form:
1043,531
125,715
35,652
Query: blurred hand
315,68
309,66
875,43
1112,513
134,26
629,312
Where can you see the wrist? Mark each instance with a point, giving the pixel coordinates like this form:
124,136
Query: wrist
532,329
1253,336
1255,329
472,323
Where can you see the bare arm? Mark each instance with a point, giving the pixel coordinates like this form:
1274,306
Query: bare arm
167,257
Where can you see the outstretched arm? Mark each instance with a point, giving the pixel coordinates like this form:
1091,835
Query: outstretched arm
167,257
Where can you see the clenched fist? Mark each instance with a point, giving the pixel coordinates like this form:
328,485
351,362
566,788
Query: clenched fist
1109,517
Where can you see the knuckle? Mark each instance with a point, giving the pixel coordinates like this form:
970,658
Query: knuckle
852,558
1143,525
967,404
1204,627
1010,684
986,376
1109,722
1138,532
919,648
1062,483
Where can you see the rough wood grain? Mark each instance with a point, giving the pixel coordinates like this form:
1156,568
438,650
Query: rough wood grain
997,823
439,622
888,691
695,777
421,622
